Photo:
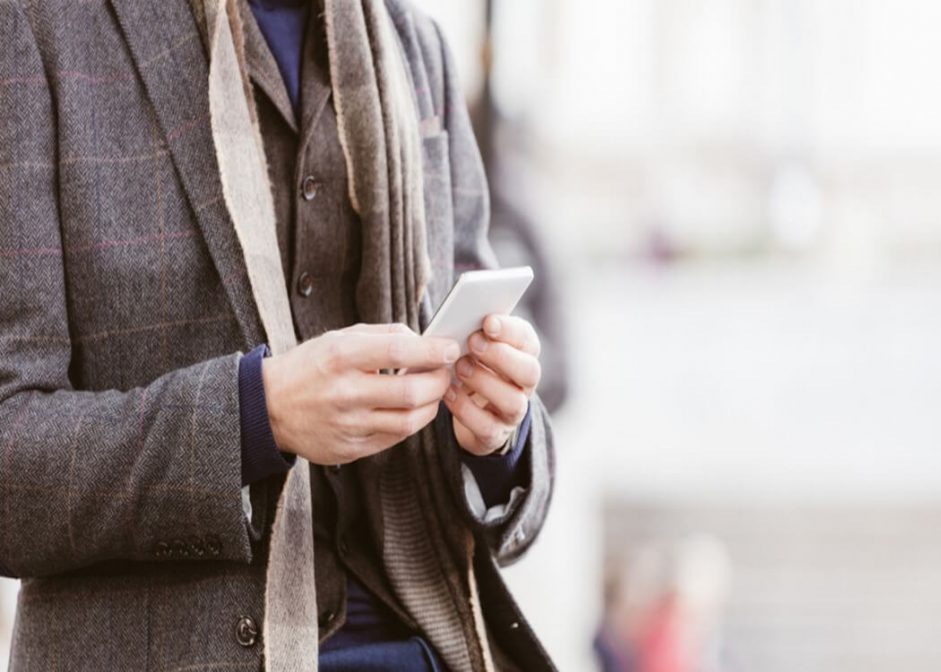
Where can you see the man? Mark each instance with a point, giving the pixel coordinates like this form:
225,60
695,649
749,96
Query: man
182,181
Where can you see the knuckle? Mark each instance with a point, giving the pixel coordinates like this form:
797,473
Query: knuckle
343,396
493,435
347,425
442,382
465,407
396,352
346,452
534,375
504,354
468,370
409,424
427,415
409,394
334,352
494,356
457,405
534,339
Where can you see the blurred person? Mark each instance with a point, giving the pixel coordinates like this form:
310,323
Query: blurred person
186,180
612,644
664,609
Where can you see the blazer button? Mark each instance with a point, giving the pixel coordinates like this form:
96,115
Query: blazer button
305,284
246,632
326,619
309,188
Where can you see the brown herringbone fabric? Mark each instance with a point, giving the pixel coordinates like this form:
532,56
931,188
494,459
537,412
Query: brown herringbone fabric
125,303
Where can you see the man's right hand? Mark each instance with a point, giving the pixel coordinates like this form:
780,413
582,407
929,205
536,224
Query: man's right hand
328,403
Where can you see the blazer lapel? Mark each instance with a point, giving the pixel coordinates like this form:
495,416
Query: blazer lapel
168,52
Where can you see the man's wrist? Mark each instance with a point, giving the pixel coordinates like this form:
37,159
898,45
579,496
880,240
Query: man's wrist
268,379
260,455
497,473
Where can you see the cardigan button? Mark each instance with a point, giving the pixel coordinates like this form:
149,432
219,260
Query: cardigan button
246,632
305,284
309,188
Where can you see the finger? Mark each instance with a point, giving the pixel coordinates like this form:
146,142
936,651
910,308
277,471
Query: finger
400,423
359,445
505,399
478,399
518,367
362,328
412,390
376,443
374,351
513,331
490,430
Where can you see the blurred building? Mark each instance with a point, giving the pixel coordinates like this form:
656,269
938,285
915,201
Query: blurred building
741,197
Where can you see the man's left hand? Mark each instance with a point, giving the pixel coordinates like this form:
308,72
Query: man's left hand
496,381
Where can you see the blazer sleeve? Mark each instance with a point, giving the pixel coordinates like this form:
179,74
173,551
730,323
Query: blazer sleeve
147,474
511,535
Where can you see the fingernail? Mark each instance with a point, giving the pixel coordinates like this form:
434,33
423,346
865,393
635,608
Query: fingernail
478,344
492,326
465,369
451,353
451,394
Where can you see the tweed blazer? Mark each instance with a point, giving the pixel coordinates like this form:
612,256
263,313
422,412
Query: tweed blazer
124,309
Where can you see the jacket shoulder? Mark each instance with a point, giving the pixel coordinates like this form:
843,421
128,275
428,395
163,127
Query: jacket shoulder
423,45
414,24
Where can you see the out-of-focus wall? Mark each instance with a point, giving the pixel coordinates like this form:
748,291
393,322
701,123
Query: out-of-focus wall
742,198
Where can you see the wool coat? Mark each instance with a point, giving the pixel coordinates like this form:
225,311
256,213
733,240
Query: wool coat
124,309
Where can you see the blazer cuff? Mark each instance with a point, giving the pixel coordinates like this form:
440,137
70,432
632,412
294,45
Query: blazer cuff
260,455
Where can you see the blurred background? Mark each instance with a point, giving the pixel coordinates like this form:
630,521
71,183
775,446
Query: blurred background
734,210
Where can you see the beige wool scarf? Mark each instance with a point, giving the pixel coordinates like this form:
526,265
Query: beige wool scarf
426,549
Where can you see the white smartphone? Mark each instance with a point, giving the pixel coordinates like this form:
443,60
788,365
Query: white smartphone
474,296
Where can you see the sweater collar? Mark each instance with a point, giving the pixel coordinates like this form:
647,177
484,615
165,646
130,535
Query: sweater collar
279,4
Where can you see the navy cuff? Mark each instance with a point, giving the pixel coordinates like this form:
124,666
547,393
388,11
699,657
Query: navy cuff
260,455
497,475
